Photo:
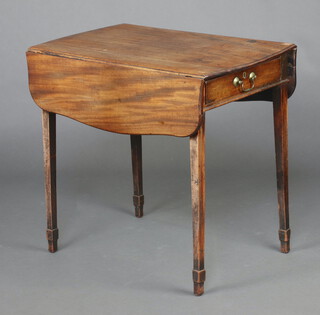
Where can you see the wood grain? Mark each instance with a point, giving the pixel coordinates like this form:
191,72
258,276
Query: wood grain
49,154
136,155
116,98
288,76
289,68
280,109
140,80
184,53
221,90
198,194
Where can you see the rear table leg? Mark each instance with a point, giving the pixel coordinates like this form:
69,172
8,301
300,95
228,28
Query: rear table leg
136,154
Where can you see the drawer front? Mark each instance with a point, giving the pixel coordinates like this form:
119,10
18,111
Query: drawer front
223,89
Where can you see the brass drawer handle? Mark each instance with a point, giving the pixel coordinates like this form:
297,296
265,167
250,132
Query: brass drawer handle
239,83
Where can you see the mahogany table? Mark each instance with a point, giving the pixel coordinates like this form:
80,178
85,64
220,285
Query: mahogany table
139,80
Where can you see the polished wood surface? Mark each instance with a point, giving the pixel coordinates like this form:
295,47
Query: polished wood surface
114,97
140,80
198,195
280,110
221,90
184,53
49,154
136,156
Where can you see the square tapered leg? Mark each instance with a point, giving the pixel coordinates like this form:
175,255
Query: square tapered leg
136,155
49,152
198,193
280,110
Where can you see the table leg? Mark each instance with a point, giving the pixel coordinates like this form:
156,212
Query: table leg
280,110
136,154
49,151
198,183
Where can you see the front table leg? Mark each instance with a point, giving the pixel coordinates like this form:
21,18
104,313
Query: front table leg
198,183
49,152
280,110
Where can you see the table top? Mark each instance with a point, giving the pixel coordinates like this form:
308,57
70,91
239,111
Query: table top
141,80
186,53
